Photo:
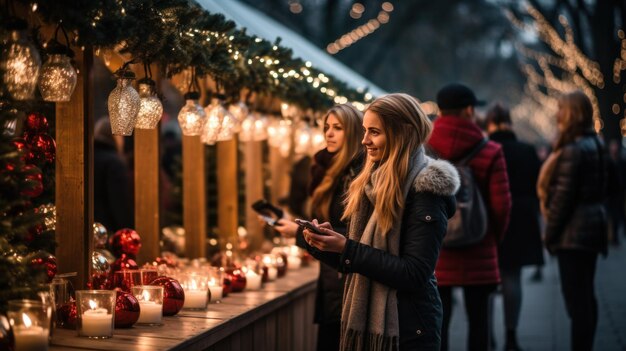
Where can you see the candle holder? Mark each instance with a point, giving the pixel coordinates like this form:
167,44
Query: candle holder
270,271
254,275
96,313
196,291
216,287
30,321
150,299
127,278
148,275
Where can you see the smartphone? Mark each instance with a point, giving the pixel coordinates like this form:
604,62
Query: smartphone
310,226
269,220
265,208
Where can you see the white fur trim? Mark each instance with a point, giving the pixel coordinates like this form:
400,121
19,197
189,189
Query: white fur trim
439,177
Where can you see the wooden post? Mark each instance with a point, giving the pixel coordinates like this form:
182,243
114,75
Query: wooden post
253,153
227,190
194,197
74,176
147,192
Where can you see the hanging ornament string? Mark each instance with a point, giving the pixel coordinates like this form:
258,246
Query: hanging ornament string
69,51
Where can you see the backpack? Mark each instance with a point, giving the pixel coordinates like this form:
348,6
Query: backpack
469,224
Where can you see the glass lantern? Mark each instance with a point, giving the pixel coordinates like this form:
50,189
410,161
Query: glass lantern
58,78
123,105
191,117
21,63
150,107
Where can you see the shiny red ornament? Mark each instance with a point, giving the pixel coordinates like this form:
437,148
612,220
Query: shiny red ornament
126,310
35,123
22,147
125,241
124,262
43,148
237,278
173,295
281,265
67,316
44,261
32,185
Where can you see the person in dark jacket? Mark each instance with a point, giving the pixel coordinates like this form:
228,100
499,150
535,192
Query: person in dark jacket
572,188
113,205
474,268
398,208
521,245
331,173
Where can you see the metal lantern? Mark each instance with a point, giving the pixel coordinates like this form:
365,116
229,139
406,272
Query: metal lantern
21,63
150,107
123,105
191,117
58,77
239,111
212,125
279,132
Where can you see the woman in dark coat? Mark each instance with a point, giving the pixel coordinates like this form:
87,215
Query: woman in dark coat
398,209
572,188
332,172
521,244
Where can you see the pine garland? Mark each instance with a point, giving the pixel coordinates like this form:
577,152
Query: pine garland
179,34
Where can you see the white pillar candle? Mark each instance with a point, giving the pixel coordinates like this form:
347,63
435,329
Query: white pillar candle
196,299
293,262
217,292
150,312
253,280
97,323
272,273
33,338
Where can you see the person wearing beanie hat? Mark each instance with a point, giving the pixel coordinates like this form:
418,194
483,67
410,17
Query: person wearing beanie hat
474,267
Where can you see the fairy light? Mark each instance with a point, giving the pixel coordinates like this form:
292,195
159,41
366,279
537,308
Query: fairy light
363,30
581,72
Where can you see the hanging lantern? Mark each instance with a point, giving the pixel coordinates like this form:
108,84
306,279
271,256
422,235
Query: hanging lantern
260,128
253,128
239,111
123,104
191,117
247,128
279,132
20,63
58,76
303,138
318,141
217,115
150,107
289,110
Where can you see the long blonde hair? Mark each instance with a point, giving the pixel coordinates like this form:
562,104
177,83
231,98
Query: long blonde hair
578,117
351,120
406,127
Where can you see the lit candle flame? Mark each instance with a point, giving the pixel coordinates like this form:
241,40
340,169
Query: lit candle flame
92,304
146,295
193,286
27,321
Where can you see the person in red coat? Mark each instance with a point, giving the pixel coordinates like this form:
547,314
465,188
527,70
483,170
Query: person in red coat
474,268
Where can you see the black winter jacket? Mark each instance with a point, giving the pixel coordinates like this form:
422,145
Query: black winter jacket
427,208
578,191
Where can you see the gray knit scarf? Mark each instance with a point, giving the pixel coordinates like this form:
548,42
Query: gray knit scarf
369,318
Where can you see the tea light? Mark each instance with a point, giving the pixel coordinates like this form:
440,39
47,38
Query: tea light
272,273
195,299
96,309
293,262
217,291
253,280
30,337
150,299
97,322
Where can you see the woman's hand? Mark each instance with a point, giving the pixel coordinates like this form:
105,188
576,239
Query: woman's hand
286,228
329,240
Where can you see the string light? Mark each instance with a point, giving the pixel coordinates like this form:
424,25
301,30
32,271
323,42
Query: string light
363,30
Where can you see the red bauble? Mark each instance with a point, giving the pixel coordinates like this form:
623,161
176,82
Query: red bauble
22,147
237,278
42,148
67,315
124,262
125,241
45,261
126,310
173,295
35,123
33,181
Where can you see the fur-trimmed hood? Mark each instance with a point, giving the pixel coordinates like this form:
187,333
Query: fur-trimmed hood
439,177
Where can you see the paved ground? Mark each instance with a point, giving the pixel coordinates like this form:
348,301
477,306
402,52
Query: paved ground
544,324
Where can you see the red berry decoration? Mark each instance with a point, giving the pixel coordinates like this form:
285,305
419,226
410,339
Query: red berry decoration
126,310
173,295
125,241
35,123
124,262
33,181
44,261
43,148
237,278
67,315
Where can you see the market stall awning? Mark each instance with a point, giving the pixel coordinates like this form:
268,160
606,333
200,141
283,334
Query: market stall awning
261,25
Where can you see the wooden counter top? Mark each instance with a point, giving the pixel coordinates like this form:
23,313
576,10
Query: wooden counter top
278,317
